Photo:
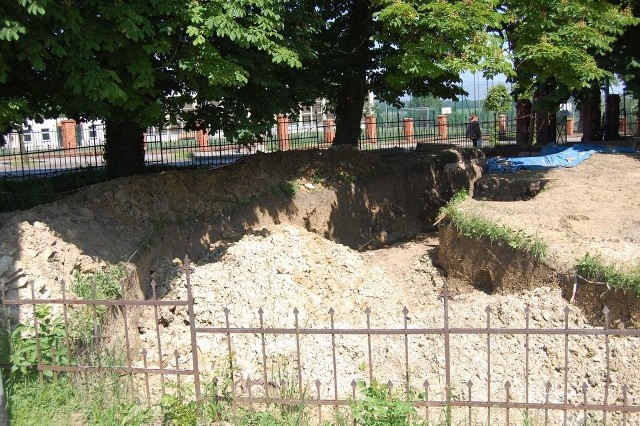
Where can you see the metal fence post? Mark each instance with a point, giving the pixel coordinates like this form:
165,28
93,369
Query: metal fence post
4,417
192,329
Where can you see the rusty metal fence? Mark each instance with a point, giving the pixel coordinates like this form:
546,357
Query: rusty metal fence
425,367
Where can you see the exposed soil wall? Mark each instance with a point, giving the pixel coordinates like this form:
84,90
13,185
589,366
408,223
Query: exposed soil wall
369,213
573,211
492,268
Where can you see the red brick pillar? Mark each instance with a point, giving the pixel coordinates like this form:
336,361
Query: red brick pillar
329,130
569,126
69,136
283,132
202,139
502,127
623,125
408,130
370,128
442,126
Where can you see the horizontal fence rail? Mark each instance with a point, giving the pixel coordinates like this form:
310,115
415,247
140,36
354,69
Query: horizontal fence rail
240,362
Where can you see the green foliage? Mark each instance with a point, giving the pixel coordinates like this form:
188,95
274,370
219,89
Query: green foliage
105,399
556,45
380,407
594,268
32,401
287,188
100,285
477,227
135,63
219,400
498,99
50,346
101,401
178,411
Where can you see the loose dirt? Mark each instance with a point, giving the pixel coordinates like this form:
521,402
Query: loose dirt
591,208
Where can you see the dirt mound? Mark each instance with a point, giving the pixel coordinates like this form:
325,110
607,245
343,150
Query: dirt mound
586,209
281,268
591,208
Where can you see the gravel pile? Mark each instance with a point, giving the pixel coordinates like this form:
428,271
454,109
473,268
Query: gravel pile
281,268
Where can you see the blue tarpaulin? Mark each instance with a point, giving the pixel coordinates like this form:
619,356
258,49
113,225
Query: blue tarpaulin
552,156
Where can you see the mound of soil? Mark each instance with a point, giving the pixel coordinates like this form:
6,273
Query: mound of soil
271,255
262,278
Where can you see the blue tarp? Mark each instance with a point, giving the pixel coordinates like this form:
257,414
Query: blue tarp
552,156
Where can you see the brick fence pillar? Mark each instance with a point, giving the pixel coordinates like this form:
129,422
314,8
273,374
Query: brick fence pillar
69,136
442,126
408,130
569,126
623,125
502,127
329,130
283,132
202,139
371,128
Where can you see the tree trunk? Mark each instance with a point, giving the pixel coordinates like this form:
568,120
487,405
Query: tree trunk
124,148
353,85
545,114
612,126
545,127
349,113
590,115
523,122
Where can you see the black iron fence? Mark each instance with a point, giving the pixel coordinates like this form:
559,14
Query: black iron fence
38,153
427,373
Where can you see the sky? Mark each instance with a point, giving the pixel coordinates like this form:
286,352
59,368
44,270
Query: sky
477,86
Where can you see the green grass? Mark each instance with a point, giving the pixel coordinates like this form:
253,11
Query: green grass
102,401
594,268
474,226
32,401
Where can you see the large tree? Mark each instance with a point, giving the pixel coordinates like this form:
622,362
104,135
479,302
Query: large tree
135,63
625,59
393,47
555,47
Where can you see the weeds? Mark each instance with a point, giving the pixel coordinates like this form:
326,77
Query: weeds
380,407
594,268
477,227
287,188
100,285
177,411
26,350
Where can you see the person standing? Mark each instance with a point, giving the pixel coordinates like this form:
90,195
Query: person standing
473,131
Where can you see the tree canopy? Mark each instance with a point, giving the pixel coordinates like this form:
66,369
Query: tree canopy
397,47
556,44
135,63
498,99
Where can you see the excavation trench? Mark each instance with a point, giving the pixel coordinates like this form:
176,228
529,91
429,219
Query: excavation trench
262,237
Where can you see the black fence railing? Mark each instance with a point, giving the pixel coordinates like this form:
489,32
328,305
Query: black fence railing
48,152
